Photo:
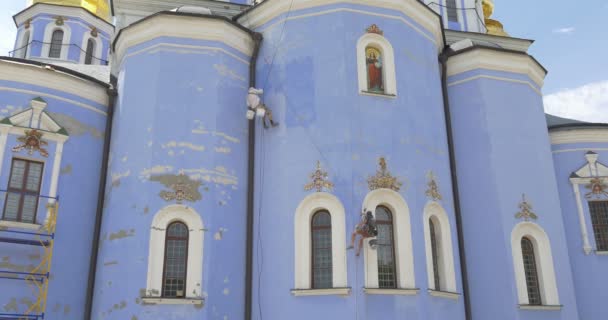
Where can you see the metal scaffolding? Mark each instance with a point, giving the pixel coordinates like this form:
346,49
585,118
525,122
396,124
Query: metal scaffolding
37,278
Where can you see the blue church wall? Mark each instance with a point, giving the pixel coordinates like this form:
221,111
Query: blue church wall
79,30
311,87
570,157
181,110
495,167
77,191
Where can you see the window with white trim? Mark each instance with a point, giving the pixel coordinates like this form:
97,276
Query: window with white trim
88,58
452,10
391,264
439,249
376,65
533,264
175,259
23,191
599,221
56,44
320,246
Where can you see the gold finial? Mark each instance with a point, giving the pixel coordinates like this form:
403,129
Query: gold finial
494,27
432,190
526,210
383,178
319,180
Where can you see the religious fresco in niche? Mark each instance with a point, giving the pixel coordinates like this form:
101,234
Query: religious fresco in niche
597,189
375,76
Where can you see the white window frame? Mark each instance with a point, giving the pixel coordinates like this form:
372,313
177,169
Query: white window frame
96,52
48,35
443,236
389,72
544,263
404,257
303,244
156,255
20,42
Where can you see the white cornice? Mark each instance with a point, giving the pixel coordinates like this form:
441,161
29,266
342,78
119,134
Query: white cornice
182,26
490,59
40,76
65,11
413,9
582,135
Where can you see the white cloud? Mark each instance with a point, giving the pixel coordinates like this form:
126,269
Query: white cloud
567,30
586,103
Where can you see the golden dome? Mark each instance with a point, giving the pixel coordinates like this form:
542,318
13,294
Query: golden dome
100,8
494,27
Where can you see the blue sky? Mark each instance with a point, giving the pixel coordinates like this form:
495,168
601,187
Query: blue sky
570,42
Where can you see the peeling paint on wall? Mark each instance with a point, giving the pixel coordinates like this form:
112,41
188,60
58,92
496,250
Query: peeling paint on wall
122,234
214,176
110,263
224,71
11,306
146,210
66,170
183,144
116,176
219,235
10,110
75,127
156,170
171,180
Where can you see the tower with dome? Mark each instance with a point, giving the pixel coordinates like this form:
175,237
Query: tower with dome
141,179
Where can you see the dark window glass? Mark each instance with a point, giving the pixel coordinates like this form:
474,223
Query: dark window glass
435,256
387,276
322,277
599,219
176,258
532,283
56,43
452,10
23,191
88,59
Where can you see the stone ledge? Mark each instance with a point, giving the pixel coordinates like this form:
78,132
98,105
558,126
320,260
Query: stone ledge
540,307
321,292
159,300
399,292
444,294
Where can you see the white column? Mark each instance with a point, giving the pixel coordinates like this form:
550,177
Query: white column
3,137
581,217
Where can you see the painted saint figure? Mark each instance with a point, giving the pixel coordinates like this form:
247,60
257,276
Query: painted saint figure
373,58
366,228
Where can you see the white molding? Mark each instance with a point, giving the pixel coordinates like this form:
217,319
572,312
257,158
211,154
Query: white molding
56,80
402,235
444,294
66,11
66,41
544,263
303,247
580,135
601,253
188,301
19,225
581,218
388,64
540,308
199,28
182,48
411,8
321,292
483,76
21,43
579,149
482,58
435,211
394,292
194,276
97,54
4,130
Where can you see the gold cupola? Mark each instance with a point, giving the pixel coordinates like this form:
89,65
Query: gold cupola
494,27
101,8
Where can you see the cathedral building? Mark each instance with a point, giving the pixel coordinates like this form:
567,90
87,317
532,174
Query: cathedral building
291,159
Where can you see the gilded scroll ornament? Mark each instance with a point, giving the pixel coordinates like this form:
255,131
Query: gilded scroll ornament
374,29
319,180
525,210
94,32
432,190
597,189
180,191
383,178
59,20
32,141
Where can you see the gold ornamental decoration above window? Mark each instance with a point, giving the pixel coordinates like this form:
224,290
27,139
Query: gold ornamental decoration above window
383,178
32,141
181,191
597,189
525,210
319,180
374,29
432,190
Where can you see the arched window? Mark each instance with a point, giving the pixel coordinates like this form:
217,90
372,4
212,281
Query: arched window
56,44
387,271
88,59
25,43
375,72
599,220
176,261
452,10
435,255
532,281
321,251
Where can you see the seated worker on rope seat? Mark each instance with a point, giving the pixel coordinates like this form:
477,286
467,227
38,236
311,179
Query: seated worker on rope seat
366,228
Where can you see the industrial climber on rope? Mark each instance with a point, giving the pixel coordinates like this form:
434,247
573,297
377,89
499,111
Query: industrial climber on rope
256,107
366,228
